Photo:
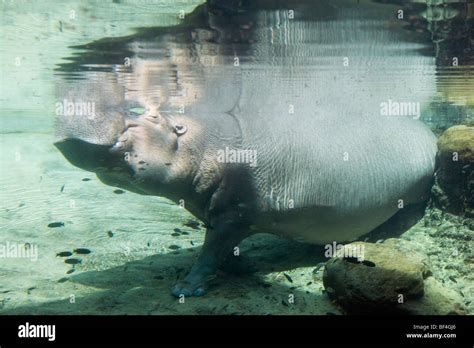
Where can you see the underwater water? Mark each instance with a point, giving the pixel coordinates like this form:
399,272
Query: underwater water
74,245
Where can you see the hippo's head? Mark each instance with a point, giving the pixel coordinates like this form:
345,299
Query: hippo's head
138,150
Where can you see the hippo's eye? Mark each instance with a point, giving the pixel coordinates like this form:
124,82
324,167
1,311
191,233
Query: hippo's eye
137,111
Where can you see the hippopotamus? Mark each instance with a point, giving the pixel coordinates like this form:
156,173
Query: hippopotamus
286,124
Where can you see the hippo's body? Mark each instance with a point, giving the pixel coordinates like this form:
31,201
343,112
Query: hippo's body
271,144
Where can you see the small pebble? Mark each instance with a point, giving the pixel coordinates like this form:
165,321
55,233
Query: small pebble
110,234
56,224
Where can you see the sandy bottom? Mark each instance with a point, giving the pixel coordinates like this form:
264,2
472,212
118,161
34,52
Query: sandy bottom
136,256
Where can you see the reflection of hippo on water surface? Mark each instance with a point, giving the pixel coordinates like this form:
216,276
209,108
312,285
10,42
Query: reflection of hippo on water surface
260,122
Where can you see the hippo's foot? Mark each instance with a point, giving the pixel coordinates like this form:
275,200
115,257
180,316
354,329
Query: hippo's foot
194,284
220,240
187,289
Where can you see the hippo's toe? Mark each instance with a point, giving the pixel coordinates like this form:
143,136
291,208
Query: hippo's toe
187,289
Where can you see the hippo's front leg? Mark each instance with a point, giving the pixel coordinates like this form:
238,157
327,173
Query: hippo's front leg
224,234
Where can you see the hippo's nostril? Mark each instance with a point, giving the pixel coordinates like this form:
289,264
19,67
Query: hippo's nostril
123,137
130,124
152,118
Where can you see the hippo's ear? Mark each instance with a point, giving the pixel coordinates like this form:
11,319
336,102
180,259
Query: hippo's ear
180,129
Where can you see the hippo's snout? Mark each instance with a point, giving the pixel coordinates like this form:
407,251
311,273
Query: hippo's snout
88,156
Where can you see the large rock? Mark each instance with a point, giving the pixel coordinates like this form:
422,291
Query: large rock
384,278
388,277
454,189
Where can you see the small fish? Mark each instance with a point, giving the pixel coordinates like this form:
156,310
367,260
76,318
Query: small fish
185,233
64,254
56,224
73,261
70,271
177,230
62,188
86,179
62,280
288,277
82,251
21,205
368,263
174,247
110,234
175,234
119,192
351,259
191,242
193,224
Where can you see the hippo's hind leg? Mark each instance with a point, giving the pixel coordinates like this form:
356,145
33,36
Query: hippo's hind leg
222,236
399,223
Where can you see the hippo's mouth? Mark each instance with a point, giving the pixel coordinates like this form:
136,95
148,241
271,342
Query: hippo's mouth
91,157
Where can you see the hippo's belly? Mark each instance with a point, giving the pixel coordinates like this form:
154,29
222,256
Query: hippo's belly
322,225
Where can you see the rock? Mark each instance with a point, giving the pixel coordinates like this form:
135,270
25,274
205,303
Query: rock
437,300
388,273
454,187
